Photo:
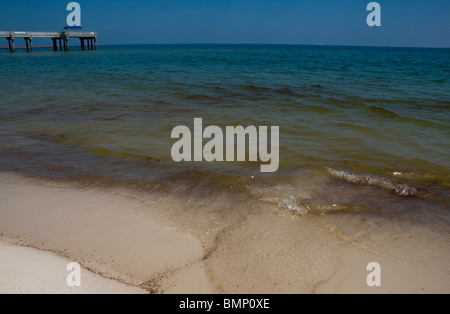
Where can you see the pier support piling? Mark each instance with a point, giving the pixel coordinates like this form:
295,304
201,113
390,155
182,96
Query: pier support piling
12,47
9,44
29,44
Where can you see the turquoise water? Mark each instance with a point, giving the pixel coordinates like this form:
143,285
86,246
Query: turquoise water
356,124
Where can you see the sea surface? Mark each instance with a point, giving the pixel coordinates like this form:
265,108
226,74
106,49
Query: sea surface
365,129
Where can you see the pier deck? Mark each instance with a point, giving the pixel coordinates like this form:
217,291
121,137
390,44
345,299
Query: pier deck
63,37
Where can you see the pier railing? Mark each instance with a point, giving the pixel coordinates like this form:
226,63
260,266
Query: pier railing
29,34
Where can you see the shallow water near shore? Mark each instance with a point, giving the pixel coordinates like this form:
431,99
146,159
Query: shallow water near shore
364,146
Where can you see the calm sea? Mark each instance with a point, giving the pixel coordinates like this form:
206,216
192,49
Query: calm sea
361,129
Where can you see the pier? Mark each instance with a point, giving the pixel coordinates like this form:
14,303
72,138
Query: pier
88,40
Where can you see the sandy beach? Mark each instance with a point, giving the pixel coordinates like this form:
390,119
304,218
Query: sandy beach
104,233
44,225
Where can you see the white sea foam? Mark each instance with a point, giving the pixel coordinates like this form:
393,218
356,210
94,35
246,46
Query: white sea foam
398,188
286,197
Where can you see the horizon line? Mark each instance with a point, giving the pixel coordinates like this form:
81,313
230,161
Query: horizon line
248,44
280,44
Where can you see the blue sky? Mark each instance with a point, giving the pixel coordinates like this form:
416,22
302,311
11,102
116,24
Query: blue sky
412,23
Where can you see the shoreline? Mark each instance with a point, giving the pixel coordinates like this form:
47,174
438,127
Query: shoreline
111,234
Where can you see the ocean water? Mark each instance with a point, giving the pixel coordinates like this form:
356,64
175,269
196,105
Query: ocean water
374,117
369,116
364,143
